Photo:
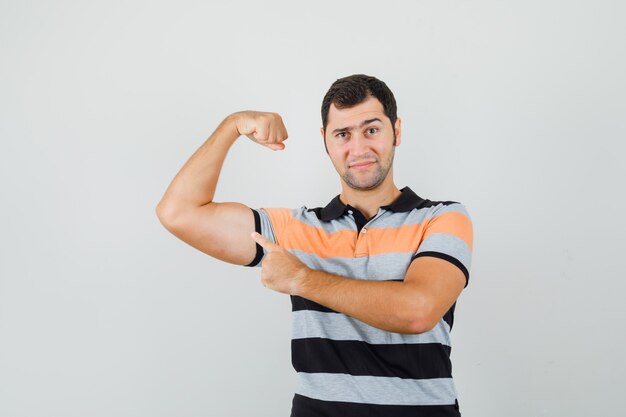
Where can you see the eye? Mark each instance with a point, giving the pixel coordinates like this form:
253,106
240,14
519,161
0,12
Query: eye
341,135
372,130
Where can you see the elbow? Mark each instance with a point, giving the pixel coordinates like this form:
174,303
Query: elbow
167,215
420,325
421,319
162,212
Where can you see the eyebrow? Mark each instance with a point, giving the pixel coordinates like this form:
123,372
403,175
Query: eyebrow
363,123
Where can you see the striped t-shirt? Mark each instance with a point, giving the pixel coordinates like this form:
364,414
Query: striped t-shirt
346,367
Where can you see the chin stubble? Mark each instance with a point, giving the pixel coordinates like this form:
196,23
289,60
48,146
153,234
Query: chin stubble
378,177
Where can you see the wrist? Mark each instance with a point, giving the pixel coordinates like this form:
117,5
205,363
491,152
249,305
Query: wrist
302,281
227,130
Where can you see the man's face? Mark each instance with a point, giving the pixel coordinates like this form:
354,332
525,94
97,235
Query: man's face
359,140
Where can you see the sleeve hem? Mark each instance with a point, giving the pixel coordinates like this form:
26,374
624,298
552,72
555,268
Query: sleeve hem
448,258
259,249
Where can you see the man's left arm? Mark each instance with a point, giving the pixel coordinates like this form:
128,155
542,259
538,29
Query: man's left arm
415,305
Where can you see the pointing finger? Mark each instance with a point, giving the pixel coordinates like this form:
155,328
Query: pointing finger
264,242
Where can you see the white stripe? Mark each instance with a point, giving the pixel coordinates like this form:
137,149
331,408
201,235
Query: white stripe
337,326
381,267
376,389
448,244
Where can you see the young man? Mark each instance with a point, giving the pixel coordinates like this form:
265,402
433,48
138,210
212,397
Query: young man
373,276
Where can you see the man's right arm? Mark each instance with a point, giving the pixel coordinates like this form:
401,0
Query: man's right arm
187,209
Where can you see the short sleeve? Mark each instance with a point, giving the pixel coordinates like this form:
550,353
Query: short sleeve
271,223
449,235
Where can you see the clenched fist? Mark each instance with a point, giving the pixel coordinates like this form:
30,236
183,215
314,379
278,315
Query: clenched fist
265,128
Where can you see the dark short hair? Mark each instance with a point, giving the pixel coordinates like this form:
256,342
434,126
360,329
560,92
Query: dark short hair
354,89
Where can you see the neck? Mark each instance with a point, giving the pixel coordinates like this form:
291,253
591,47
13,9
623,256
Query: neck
369,201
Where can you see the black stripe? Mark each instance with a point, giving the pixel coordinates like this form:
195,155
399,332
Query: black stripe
308,407
259,248
449,316
300,303
404,360
429,203
407,201
447,258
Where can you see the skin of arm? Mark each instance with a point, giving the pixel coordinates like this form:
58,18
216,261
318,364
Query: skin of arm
187,209
415,305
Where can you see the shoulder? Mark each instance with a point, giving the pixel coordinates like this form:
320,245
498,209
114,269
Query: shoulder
449,218
422,210
436,208
284,216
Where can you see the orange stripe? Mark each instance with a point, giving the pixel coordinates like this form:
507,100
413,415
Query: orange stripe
280,218
452,223
343,243
315,240
405,238
375,241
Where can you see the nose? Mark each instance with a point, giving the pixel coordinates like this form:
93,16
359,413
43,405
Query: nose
358,145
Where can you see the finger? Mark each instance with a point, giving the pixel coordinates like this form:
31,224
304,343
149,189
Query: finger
270,132
280,135
281,131
276,146
265,243
284,133
278,131
261,132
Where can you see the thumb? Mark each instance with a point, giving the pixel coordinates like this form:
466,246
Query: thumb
276,146
264,242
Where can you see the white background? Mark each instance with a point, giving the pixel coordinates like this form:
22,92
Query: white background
516,109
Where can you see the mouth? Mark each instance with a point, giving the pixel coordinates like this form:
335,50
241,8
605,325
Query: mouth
361,165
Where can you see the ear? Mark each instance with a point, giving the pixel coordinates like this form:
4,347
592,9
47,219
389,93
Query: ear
324,140
398,130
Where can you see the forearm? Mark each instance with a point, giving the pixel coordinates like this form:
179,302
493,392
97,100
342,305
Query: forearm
389,305
195,183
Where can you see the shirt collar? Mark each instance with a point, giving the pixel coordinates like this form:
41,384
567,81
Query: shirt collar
407,201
